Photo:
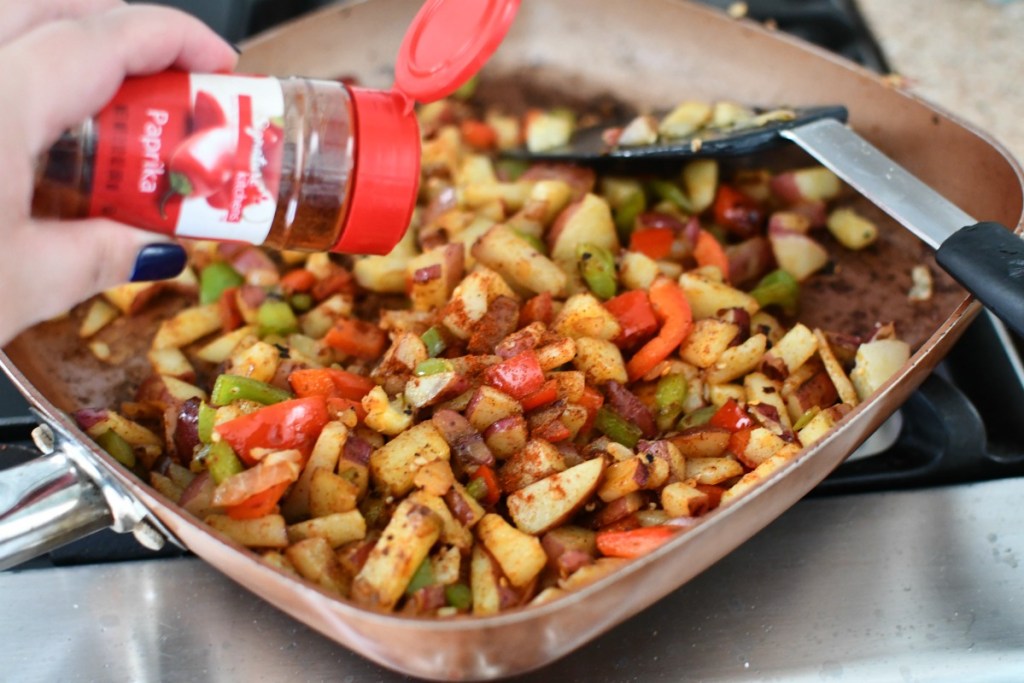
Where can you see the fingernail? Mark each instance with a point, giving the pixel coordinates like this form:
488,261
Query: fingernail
159,262
234,46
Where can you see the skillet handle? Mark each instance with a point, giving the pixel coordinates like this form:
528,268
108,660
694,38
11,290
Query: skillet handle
44,504
988,260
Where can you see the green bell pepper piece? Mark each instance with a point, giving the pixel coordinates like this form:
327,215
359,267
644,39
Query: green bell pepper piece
778,288
668,397
114,444
215,279
432,366
697,417
222,462
434,341
230,388
616,427
207,414
459,596
276,317
597,266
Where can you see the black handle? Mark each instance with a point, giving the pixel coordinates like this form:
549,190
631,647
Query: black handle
988,260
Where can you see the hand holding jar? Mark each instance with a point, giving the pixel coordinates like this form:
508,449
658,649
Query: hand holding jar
62,61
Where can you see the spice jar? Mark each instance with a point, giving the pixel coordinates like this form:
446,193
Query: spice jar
288,163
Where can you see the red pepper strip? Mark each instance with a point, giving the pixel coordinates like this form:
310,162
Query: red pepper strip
289,424
298,280
548,393
709,252
738,443
537,309
338,281
673,310
328,382
478,134
486,474
592,400
357,338
227,307
731,416
635,315
259,504
519,376
635,542
553,431
653,242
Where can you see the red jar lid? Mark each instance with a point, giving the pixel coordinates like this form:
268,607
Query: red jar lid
447,43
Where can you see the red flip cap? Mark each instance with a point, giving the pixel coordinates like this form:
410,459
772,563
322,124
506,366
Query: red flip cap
447,43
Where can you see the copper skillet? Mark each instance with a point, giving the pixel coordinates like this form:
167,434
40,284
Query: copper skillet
652,52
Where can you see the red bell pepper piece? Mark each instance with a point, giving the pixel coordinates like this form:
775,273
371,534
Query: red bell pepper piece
553,431
486,474
737,212
548,393
289,424
478,134
227,308
709,252
653,242
537,309
731,416
592,400
673,310
298,280
357,338
634,542
635,315
338,281
258,504
738,443
519,376
330,382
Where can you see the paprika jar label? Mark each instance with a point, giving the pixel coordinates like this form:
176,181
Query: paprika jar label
191,155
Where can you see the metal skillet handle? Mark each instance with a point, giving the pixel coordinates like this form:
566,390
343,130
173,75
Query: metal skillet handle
62,496
988,260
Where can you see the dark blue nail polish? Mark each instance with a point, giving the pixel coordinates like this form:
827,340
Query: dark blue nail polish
159,262
234,46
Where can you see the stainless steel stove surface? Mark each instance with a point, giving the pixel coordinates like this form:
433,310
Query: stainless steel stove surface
901,566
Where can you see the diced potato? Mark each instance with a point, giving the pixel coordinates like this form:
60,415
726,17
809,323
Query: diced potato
330,494
547,199
189,325
799,255
182,391
325,455
504,251
700,178
258,361
546,131
679,499
262,532
386,416
712,470
535,461
221,348
796,347
583,315
586,221
337,529
756,477
637,271
453,532
556,354
642,130
761,389
821,423
472,298
171,362
704,441
314,559
130,296
489,405
549,502
730,115
571,384
706,342
685,120
99,315
590,573
876,362
321,319
707,297
483,582
447,263
394,465
852,230
600,360
404,544
719,394
761,445
501,195
435,477
132,432
842,383
635,474
737,361
520,555
815,183
507,436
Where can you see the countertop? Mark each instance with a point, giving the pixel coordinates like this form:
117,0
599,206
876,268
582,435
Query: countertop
967,56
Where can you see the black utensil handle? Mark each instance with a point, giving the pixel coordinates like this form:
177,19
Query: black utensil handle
988,260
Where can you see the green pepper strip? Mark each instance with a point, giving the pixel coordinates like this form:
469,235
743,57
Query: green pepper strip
809,415
423,577
276,317
215,279
778,288
597,266
697,417
207,414
626,213
301,301
670,192
616,427
477,488
459,596
668,397
511,169
432,366
119,449
222,462
532,240
230,388
434,341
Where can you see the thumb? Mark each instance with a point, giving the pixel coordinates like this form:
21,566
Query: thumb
53,265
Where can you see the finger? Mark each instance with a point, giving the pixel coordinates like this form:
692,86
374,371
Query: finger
59,264
18,17
83,62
